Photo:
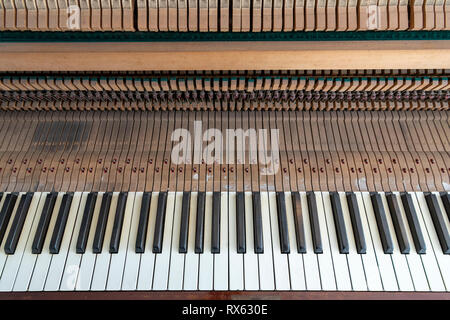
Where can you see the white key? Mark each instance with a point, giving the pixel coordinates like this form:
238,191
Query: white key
369,259
236,272
206,263
117,264
3,255
29,259
297,272
221,259
339,260
161,273
177,258
44,259
251,272
355,263
325,260
132,261
429,261
13,262
442,259
266,273
445,258
191,261
280,260
59,260
147,264
103,259
72,264
398,259
310,259
384,260
84,279
414,262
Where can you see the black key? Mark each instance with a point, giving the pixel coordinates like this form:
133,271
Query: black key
101,223
215,236
298,220
240,223
1,196
6,212
44,221
200,223
438,222
358,232
159,223
282,223
184,227
383,228
257,223
445,197
86,222
17,225
413,222
60,225
397,220
339,223
143,222
118,223
314,221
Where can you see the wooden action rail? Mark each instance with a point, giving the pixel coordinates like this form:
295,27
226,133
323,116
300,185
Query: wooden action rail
315,150
235,101
248,81
228,90
217,56
223,16
225,295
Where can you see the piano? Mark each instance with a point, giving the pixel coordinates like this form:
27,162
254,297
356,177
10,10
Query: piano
232,149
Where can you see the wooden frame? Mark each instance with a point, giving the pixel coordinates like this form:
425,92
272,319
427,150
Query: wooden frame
126,56
225,295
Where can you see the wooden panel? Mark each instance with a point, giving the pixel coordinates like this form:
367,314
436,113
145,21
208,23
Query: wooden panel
224,56
228,295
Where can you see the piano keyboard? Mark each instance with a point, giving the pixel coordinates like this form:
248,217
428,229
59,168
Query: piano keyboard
223,16
345,241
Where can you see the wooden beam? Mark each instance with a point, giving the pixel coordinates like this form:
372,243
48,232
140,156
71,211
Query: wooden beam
226,295
125,56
